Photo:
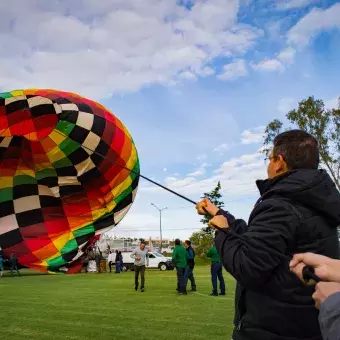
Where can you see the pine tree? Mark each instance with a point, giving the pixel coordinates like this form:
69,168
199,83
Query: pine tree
215,197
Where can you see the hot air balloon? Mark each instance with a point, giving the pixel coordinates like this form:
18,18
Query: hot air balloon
65,176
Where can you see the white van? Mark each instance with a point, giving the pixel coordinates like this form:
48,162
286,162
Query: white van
154,260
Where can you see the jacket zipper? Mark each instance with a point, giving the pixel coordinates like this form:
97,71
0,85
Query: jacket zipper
239,325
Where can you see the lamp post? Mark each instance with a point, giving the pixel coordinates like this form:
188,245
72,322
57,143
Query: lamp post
160,222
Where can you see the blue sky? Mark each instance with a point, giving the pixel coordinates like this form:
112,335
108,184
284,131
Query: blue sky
194,83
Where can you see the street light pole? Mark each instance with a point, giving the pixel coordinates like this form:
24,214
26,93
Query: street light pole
160,223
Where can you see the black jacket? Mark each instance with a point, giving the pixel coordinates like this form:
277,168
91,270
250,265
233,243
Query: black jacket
297,212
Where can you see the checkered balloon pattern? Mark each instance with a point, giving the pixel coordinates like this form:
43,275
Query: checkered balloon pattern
57,191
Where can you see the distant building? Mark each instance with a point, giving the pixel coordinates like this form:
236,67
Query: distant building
157,242
128,244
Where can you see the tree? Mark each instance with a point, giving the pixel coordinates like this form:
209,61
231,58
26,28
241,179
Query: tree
312,117
202,242
215,197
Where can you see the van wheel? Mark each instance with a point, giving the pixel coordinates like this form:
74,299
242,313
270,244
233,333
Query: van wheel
162,266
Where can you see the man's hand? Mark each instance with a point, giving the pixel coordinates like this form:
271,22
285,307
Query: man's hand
325,268
205,206
218,221
323,290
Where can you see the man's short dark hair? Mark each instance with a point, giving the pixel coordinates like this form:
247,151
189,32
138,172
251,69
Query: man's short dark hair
298,148
142,242
188,242
177,242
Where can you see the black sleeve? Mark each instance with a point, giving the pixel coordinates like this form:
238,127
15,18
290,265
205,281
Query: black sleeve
249,259
237,225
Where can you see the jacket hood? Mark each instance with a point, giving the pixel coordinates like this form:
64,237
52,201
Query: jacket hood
313,189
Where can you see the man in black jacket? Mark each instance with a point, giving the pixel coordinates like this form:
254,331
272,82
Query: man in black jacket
299,211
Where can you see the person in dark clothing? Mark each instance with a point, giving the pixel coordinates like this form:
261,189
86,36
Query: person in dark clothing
189,270
298,211
14,264
1,265
216,271
117,262
179,258
121,261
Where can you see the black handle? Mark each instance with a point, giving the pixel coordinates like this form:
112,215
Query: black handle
308,274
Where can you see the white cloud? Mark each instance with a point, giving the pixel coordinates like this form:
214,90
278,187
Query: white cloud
286,104
179,183
187,75
268,65
118,46
206,71
253,136
165,169
286,56
197,173
222,148
234,70
200,171
291,4
237,175
316,21
277,64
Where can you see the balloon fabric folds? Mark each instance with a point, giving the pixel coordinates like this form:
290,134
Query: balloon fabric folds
57,191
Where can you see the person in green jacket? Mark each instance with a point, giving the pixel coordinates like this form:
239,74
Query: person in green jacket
216,271
179,258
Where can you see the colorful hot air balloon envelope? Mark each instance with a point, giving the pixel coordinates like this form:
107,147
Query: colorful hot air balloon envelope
62,176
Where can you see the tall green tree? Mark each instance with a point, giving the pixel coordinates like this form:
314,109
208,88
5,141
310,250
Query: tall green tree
215,197
202,242
324,124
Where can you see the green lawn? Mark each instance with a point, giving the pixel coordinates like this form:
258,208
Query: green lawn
105,306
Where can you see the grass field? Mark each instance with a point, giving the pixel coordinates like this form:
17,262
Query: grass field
105,306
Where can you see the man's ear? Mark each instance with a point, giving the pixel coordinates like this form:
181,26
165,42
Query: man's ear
280,164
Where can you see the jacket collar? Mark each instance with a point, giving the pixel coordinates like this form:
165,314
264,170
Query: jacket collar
267,184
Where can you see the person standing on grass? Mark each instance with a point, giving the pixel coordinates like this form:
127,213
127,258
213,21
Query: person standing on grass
117,260
216,271
140,255
189,270
121,261
179,258
110,260
14,264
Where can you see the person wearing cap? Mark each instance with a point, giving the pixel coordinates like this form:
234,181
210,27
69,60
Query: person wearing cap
216,270
179,258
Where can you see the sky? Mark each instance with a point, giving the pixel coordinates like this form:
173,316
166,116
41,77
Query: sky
194,82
